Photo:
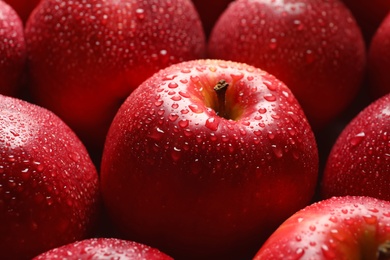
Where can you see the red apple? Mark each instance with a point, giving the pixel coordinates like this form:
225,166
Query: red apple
104,248
209,12
341,228
359,162
205,158
368,14
23,7
379,60
48,185
86,56
315,47
12,51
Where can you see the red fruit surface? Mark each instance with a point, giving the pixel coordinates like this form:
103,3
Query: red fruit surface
341,228
48,184
12,51
202,178
359,162
104,248
368,14
314,47
209,12
86,56
23,7
379,60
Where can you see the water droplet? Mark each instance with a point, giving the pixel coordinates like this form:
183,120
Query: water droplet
212,123
173,117
140,13
327,253
273,44
176,98
312,228
237,77
277,151
270,97
269,85
195,79
184,94
175,105
173,85
309,57
298,238
74,156
298,25
157,134
337,235
262,110
357,139
271,135
176,154
195,108
370,219
158,103
183,123
299,253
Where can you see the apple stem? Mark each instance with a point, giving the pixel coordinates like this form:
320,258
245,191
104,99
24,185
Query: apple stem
220,88
384,251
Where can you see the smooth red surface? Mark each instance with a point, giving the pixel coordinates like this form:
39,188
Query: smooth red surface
104,248
177,176
359,163
379,60
314,47
49,192
341,228
85,59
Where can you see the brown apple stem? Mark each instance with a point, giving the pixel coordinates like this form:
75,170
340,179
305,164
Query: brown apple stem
220,88
384,251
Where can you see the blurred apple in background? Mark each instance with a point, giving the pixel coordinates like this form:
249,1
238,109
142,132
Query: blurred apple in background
49,192
85,57
206,158
104,248
209,12
23,7
379,60
12,51
369,14
359,162
315,47
342,228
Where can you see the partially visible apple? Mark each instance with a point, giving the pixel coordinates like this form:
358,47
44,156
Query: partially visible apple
379,60
23,7
359,162
342,228
368,14
12,51
205,158
86,56
49,192
315,47
104,248
209,12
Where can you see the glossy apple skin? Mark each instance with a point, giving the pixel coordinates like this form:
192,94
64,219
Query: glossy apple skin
85,57
23,7
104,248
379,60
177,176
209,12
12,51
49,192
314,47
368,14
359,162
343,228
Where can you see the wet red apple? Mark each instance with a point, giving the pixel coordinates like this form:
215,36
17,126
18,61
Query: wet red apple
206,158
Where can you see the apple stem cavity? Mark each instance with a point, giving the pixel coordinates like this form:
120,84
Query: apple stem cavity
384,251
220,88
